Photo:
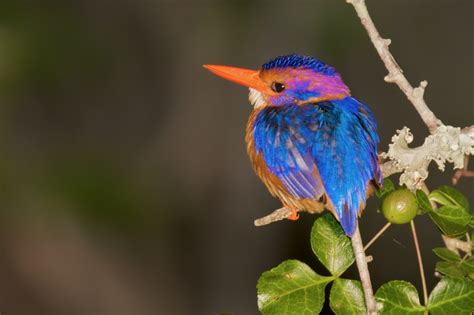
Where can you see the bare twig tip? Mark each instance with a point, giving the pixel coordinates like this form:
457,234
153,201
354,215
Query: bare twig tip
388,78
415,95
464,172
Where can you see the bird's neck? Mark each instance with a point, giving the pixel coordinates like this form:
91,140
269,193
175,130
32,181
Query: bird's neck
294,112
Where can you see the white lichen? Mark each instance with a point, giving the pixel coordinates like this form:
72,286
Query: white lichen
446,145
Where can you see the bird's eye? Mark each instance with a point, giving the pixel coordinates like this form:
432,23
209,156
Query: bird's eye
278,87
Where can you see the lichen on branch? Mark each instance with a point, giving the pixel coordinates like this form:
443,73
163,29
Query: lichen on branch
445,144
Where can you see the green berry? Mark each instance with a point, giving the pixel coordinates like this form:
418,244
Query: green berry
400,206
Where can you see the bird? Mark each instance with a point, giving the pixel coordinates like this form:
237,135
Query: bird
312,144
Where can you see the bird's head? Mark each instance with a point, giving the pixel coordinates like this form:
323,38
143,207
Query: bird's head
287,80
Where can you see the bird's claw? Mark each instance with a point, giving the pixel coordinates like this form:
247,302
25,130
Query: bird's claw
294,215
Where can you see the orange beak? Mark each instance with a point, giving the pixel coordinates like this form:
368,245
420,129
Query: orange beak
246,77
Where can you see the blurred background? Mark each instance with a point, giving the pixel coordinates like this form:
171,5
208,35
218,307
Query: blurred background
124,182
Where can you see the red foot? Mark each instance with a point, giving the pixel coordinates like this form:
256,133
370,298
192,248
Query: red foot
294,215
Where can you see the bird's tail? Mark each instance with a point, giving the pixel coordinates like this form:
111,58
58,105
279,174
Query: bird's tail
348,219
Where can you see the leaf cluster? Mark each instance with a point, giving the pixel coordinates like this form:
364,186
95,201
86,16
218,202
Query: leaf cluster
452,216
450,296
452,265
294,288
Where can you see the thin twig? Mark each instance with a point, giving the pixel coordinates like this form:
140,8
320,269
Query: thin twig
277,215
464,172
376,236
280,214
395,73
420,262
361,262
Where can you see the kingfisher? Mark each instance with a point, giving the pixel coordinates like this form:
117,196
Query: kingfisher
312,144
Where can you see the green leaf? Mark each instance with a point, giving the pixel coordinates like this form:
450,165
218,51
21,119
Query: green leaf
332,247
388,186
424,204
449,196
449,268
446,254
468,265
456,196
291,288
347,297
398,297
453,265
452,296
452,220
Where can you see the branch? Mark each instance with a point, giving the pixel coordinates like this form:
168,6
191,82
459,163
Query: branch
395,73
277,215
280,214
361,261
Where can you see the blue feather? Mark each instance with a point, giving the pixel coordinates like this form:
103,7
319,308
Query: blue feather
300,61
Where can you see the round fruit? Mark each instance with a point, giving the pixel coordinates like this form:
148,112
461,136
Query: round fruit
400,206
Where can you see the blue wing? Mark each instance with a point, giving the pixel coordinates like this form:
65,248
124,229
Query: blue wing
349,161
283,135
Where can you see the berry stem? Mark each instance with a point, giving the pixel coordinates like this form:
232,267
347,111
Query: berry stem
376,236
420,262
